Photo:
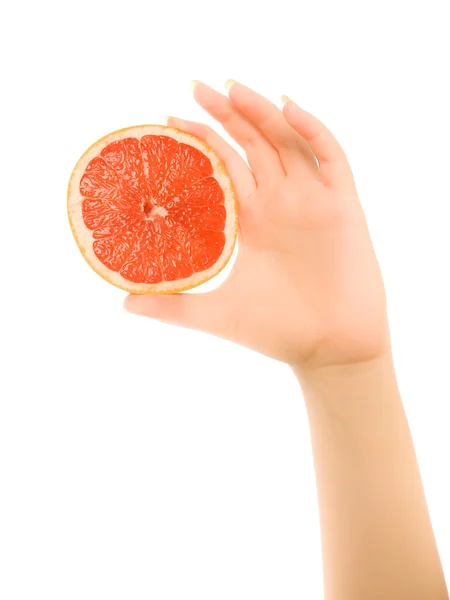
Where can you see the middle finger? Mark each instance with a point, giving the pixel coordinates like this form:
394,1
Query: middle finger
295,153
263,157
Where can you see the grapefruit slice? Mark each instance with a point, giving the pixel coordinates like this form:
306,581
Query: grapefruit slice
153,210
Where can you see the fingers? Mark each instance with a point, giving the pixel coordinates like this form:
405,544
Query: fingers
204,312
262,156
276,142
333,165
294,151
241,176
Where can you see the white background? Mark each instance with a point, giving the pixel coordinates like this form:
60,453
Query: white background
142,461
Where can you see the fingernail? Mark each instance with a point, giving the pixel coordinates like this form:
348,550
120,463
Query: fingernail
193,84
285,99
166,118
178,123
229,83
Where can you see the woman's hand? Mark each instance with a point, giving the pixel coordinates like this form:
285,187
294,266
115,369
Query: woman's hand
306,288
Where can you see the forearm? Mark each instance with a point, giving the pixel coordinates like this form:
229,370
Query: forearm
377,539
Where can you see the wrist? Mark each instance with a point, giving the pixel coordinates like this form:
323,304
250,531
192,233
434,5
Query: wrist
340,386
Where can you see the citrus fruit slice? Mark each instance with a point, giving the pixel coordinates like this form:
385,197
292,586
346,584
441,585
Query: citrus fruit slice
153,209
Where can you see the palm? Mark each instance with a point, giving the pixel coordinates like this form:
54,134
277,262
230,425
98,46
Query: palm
305,286
301,270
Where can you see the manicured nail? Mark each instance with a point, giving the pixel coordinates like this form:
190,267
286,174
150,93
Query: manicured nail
193,84
229,83
178,123
285,99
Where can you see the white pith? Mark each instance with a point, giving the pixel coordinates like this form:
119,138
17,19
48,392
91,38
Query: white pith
84,236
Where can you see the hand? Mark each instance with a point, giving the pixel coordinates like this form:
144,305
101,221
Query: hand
306,287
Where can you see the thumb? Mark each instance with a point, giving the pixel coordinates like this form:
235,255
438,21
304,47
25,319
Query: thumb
204,311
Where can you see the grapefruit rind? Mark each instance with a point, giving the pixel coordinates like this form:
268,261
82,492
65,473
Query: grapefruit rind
84,236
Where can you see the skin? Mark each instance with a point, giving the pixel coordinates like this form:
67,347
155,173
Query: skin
306,289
